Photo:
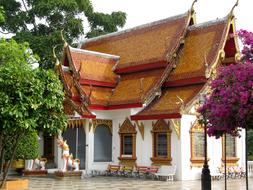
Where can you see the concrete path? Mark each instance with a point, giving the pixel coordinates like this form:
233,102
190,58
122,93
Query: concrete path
121,183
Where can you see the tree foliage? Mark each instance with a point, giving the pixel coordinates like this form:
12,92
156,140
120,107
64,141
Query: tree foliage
28,147
39,23
30,100
229,106
1,15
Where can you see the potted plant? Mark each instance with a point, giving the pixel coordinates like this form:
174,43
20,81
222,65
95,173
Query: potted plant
28,149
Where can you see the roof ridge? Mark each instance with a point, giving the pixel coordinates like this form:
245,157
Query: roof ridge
208,23
95,53
154,23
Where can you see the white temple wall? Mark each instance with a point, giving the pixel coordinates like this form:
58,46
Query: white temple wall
186,172
214,151
144,146
180,147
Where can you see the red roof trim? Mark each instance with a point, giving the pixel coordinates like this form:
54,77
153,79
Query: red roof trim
140,67
75,98
97,83
89,116
153,117
112,107
185,82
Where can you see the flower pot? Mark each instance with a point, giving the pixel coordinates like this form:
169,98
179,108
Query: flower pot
16,184
18,164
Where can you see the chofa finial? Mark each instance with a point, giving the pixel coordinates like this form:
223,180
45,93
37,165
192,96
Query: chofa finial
57,60
63,39
231,14
192,7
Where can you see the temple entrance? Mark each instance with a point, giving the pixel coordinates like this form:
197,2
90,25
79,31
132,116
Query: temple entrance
76,139
48,150
102,144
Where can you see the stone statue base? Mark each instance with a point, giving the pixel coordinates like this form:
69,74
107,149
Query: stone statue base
34,172
61,174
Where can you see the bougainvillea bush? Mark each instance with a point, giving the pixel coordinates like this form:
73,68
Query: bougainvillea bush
229,106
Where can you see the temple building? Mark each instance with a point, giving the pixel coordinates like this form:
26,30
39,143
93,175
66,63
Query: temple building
131,96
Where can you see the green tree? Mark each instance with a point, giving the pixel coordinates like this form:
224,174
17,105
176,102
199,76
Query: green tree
30,100
28,147
39,23
250,144
1,15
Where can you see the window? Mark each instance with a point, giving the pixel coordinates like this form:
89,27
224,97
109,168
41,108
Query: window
197,138
102,144
127,133
128,145
161,135
230,150
230,146
161,145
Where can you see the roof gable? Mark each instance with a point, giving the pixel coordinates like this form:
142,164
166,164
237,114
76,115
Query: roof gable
202,45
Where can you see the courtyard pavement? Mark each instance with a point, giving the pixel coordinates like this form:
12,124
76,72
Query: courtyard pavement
122,183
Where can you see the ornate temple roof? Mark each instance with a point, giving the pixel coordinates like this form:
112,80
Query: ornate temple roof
162,65
144,47
202,50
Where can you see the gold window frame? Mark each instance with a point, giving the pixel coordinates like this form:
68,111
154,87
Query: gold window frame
129,129
195,160
231,161
161,127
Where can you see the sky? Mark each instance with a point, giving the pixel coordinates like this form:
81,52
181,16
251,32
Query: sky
145,11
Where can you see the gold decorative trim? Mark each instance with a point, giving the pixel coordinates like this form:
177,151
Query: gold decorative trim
127,128
127,161
76,122
177,125
231,13
195,128
90,125
141,128
106,122
231,161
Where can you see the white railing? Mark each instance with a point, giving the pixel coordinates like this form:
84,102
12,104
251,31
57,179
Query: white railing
250,168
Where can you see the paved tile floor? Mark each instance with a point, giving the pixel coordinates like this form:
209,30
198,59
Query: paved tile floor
120,183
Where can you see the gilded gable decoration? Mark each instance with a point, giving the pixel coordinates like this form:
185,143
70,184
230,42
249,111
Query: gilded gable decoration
140,126
176,123
197,127
161,126
106,122
127,127
76,122
90,125
127,135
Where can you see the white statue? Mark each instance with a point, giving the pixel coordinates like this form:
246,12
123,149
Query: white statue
36,164
67,158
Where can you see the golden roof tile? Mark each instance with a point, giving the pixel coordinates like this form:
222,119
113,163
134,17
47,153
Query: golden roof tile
98,95
93,66
148,44
169,103
133,87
